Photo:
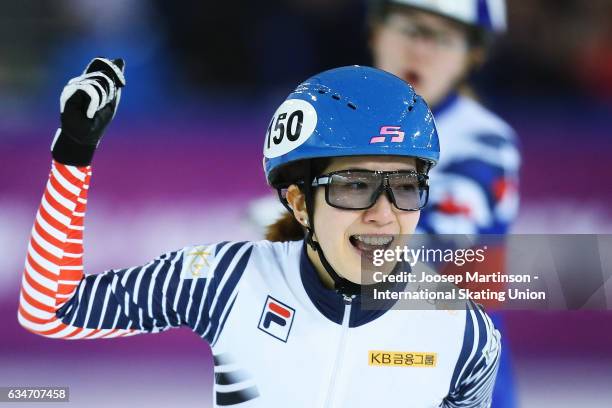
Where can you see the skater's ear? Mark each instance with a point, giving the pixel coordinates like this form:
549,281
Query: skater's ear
297,201
291,225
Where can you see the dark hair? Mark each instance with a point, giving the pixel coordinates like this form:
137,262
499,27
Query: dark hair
286,228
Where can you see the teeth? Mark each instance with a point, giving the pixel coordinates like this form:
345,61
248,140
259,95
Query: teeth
373,240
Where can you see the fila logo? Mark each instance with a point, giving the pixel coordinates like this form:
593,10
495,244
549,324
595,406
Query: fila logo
276,319
395,131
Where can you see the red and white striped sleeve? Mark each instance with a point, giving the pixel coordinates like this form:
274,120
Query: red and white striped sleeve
59,300
54,261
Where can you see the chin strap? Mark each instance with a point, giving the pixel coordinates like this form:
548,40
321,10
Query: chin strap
341,285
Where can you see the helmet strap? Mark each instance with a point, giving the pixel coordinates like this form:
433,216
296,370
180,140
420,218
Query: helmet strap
341,285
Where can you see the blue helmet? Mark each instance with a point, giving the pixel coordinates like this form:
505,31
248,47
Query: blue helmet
489,15
349,111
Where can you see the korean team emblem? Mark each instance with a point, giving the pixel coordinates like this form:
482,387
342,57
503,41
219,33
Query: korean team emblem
276,319
196,262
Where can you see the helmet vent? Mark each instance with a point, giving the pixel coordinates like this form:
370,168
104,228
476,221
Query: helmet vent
411,107
336,97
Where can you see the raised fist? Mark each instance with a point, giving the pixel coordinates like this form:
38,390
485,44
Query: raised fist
87,104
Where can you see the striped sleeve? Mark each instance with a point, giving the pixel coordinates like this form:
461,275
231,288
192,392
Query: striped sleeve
194,286
474,375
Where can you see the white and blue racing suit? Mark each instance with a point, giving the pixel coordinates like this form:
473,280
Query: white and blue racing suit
474,187
278,336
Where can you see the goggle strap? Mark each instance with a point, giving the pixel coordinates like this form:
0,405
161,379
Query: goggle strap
320,181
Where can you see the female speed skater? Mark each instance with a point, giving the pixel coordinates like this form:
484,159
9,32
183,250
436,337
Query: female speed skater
349,152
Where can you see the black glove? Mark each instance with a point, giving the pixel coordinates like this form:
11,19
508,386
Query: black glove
88,103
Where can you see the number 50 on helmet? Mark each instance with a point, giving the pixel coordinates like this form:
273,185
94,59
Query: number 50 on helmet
349,111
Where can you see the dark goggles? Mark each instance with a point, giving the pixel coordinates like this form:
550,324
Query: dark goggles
360,189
